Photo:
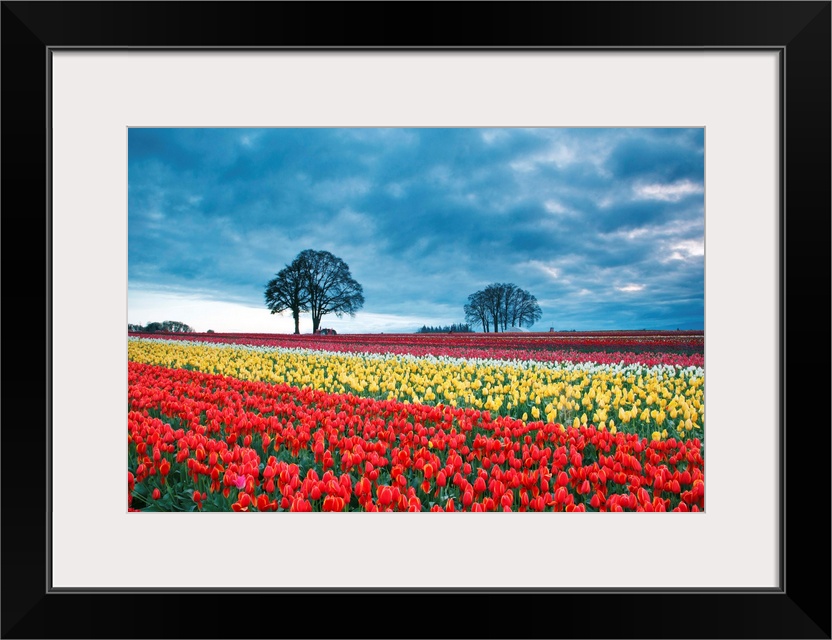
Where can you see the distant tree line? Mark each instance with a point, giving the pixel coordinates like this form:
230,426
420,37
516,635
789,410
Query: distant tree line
502,306
170,326
454,328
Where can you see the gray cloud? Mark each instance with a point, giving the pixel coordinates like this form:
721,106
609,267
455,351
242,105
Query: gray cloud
604,226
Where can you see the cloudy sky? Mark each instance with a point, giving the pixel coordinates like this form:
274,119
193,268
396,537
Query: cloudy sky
604,226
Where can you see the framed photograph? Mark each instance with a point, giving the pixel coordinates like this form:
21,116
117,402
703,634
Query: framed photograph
139,152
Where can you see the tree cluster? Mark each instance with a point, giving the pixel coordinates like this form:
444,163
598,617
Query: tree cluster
454,328
315,282
501,306
168,326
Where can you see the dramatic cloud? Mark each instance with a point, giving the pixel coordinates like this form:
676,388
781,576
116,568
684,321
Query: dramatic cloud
604,226
669,192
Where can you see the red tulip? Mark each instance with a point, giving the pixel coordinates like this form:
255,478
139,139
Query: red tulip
362,487
385,497
333,503
699,489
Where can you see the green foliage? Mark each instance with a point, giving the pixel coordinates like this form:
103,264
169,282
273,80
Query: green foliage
462,327
168,326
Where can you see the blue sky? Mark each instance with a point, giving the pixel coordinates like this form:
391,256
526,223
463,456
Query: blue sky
605,227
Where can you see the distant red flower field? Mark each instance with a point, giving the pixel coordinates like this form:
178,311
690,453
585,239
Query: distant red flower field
683,348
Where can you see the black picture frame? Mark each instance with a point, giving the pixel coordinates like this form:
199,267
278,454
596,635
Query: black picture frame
799,608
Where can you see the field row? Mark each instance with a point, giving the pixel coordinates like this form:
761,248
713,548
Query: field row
684,349
203,441
655,402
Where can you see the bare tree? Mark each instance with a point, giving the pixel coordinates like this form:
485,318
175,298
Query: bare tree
526,309
501,306
288,290
330,286
476,310
316,282
494,294
508,312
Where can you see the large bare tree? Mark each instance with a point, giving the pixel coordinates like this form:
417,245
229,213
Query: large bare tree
287,291
317,282
330,286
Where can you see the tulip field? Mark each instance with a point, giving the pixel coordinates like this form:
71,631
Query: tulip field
416,422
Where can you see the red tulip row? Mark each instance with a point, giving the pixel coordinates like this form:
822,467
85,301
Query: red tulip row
206,442
649,350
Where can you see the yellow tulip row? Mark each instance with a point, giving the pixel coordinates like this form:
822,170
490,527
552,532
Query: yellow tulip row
652,401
